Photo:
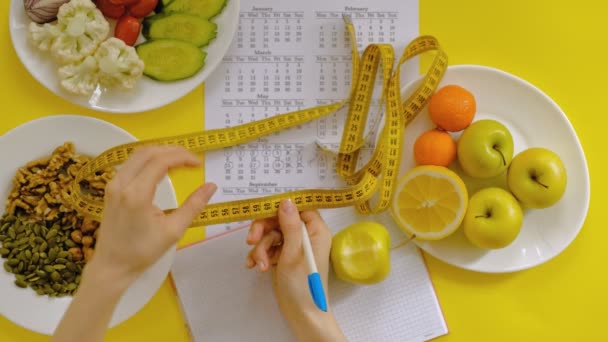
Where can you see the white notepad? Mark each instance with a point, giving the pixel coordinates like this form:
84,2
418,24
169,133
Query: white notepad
224,301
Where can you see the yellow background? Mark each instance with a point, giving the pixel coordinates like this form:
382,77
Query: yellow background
560,46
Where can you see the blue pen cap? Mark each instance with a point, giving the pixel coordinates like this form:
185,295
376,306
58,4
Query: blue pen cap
316,290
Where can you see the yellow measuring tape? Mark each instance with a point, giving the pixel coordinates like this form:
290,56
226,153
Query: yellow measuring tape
377,177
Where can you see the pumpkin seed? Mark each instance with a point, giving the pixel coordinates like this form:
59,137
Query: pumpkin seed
59,267
49,269
11,233
4,252
35,257
22,284
13,262
7,268
19,228
43,246
53,253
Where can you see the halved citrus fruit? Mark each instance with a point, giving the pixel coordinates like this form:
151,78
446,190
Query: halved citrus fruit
430,202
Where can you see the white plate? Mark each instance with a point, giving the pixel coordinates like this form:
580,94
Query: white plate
36,139
534,121
148,94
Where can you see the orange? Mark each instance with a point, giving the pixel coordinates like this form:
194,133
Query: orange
452,108
435,147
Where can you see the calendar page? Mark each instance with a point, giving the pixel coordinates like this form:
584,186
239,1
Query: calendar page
286,56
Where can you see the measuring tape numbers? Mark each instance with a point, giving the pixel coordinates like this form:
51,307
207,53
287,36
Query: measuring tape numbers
370,187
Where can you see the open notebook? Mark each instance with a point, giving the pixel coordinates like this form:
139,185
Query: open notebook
224,301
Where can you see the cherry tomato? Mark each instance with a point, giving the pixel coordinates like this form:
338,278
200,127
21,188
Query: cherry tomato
127,29
123,2
109,9
142,8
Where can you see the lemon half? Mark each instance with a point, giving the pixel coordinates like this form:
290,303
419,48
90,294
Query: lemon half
430,202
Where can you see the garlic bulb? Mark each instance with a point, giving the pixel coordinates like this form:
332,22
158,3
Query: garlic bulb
43,11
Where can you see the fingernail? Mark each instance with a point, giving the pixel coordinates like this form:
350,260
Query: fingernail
262,265
249,263
287,206
250,234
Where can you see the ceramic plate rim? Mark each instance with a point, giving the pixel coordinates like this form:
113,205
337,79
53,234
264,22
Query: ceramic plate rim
564,118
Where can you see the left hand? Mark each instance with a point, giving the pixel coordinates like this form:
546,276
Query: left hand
135,233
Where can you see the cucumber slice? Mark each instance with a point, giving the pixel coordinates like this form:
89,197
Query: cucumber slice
181,26
170,60
161,5
203,8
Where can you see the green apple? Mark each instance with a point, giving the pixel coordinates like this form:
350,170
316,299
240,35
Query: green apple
537,177
493,219
485,149
360,253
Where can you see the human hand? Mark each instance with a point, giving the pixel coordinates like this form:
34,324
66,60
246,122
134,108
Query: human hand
278,247
134,233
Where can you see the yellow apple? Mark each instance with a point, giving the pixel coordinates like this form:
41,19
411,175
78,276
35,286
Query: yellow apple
360,253
537,178
485,149
493,219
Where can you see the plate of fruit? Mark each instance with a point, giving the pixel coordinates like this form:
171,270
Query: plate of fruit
494,177
122,56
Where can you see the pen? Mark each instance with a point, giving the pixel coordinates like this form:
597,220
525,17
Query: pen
314,279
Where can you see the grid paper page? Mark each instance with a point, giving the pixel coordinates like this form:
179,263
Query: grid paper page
223,301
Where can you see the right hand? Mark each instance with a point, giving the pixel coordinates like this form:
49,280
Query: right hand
278,246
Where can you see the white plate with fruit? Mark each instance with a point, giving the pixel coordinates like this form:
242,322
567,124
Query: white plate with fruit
515,192
122,56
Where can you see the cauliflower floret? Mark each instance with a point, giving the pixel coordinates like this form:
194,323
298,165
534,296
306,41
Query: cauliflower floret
43,36
83,27
119,64
81,77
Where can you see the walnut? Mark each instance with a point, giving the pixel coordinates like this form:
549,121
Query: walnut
88,225
76,236
88,253
76,252
87,241
42,188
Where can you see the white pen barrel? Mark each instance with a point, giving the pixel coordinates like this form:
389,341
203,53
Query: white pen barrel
310,258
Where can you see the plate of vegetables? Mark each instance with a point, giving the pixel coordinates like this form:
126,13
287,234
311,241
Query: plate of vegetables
122,56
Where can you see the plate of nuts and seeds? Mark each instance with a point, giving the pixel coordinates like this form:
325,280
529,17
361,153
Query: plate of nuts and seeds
44,243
